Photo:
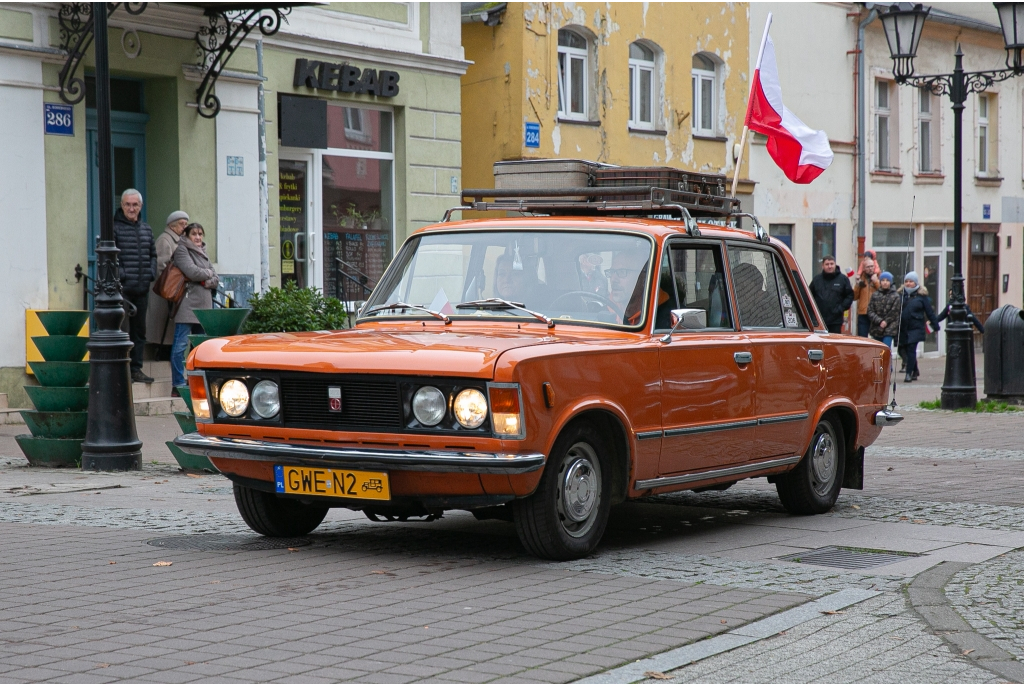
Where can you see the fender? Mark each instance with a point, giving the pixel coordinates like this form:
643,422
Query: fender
580,405
839,402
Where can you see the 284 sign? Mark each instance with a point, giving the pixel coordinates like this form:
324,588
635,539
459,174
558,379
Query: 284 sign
58,120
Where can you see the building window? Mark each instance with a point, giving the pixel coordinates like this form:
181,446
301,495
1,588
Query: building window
705,94
886,129
927,134
783,232
824,237
894,250
641,86
984,132
573,65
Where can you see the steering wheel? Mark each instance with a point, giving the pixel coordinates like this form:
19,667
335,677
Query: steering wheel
587,298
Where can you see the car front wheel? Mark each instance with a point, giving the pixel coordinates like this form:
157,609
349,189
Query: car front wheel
567,515
813,486
275,517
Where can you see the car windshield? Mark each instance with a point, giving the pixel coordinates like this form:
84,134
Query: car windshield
591,276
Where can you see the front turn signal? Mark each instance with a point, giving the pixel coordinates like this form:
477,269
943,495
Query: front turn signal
506,410
200,402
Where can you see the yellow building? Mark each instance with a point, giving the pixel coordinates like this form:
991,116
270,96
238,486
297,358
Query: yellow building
642,84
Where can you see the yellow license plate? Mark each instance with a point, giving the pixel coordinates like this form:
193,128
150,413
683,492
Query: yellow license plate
302,480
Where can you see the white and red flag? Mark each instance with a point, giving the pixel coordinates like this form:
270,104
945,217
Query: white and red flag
801,152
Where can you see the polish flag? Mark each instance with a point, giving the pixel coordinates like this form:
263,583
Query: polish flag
801,152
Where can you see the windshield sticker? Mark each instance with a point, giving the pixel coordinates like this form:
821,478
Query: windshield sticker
791,320
787,301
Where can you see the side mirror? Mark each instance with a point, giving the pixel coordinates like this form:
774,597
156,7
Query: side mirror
686,319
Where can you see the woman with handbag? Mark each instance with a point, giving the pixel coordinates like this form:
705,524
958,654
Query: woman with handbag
190,257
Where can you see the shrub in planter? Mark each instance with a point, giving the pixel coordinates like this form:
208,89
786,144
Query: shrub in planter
292,309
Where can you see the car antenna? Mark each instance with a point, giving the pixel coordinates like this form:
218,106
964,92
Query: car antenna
906,263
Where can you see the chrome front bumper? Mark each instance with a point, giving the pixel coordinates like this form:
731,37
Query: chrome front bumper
370,459
887,418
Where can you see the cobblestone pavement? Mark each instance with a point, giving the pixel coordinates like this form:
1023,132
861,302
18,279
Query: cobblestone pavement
459,600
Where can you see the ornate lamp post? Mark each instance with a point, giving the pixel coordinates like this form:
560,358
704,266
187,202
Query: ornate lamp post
903,27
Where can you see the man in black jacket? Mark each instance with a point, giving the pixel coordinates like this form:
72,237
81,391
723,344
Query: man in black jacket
832,293
134,238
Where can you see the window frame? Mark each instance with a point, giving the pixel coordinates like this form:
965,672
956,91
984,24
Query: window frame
698,77
932,140
636,66
677,242
781,270
983,134
889,114
565,82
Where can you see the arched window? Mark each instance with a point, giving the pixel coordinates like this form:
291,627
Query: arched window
705,95
641,86
573,68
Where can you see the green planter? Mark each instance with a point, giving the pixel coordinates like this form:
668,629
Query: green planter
56,424
61,348
198,339
190,462
57,398
63,374
186,394
66,322
51,452
221,322
186,422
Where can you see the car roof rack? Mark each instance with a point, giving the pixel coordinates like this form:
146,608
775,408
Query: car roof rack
640,200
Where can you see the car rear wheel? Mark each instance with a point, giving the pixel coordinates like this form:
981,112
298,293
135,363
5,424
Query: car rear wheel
813,486
275,517
566,517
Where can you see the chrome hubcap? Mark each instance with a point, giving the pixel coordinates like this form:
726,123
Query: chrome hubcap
824,461
580,491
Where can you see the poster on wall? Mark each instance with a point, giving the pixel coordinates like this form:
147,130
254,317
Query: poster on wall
292,213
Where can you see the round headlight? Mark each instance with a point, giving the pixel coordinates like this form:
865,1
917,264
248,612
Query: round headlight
234,398
470,408
266,400
429,405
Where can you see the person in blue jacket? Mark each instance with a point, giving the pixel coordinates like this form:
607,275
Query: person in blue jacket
917,308
971,318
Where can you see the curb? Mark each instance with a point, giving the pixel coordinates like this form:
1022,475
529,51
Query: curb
928,600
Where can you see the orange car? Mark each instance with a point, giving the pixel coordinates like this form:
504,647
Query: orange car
543,370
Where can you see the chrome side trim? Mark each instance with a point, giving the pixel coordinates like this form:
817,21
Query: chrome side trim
405,460
783,419
887,418
690,430
648,435
716,473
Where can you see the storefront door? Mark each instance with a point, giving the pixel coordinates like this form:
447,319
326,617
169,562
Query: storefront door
295,209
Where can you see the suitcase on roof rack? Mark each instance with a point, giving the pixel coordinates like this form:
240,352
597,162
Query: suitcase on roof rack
661,177
544,174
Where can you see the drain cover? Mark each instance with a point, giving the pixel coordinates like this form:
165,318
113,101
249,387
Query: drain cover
226,543
847,557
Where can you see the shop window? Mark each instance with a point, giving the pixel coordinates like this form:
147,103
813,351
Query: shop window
573,72
824,237
358,128
704,78
355,129
894,250
642,100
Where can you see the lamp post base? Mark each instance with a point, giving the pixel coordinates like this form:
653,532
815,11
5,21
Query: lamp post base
959,386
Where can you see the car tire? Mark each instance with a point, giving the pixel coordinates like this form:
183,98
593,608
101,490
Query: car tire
566,516
813,486
275,517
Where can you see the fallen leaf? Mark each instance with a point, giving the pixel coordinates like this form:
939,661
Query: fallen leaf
111,562
102,665
966,652
192,475
163,563
190,663
723,622
904,518
833,613
918,521
214,582
855,506
296,549
657,675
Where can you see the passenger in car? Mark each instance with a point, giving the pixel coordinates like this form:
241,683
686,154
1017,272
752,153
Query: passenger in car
624,282
514,285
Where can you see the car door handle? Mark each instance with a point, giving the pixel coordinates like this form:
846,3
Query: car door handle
743,357
815,355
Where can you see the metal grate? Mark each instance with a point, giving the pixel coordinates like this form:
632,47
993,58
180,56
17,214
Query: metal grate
847,557
226,543
365,404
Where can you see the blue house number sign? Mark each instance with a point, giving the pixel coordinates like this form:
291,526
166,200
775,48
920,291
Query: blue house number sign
58,120
532,134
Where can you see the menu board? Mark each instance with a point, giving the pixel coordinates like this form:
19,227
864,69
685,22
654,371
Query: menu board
292,202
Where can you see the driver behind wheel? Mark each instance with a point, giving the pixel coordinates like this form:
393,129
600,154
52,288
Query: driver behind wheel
625,287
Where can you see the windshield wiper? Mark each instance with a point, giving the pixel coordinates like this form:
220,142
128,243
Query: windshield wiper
498,303
405,305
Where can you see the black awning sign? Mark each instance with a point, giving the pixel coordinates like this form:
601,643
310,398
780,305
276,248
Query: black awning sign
345,78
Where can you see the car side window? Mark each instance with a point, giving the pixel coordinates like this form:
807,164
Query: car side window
693,277
756,287
791,316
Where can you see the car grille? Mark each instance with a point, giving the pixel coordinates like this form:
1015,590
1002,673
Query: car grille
365,404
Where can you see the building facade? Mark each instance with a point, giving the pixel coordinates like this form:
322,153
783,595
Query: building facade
362,141
890,188
644,84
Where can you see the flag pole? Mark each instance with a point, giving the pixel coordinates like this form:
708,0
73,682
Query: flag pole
743,136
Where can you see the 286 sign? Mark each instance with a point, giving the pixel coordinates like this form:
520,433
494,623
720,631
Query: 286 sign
58,120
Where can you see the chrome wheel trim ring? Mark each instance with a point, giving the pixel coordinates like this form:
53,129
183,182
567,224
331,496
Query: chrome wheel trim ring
824,461
579,490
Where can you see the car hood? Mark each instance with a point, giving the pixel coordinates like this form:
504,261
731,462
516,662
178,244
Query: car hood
452,352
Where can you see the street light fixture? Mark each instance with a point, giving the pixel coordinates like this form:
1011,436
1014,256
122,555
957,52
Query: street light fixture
903,26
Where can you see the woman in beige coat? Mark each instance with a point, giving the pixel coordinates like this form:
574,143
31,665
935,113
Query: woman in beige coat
190,257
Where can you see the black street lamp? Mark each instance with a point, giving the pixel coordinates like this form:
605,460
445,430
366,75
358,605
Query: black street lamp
903,27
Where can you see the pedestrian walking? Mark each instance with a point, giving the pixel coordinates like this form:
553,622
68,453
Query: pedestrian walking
159,317
867,285
971,318
917,310
832,293
884,311
190,256
137,259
